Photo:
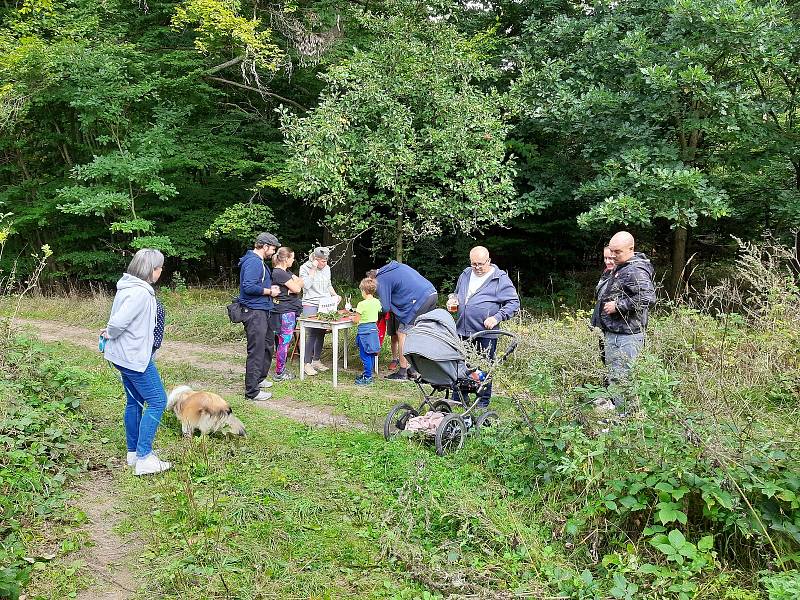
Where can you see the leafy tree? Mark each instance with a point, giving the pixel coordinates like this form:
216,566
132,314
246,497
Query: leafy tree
643,98
404,141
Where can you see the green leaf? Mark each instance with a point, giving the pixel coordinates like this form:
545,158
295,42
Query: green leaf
676,538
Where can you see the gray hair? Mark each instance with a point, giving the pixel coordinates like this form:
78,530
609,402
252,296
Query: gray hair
144,262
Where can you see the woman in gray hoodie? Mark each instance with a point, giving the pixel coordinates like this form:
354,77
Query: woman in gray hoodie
128,344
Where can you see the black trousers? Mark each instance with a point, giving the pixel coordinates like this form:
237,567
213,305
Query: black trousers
260,330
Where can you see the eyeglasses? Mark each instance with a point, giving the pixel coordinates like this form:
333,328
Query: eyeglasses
481,264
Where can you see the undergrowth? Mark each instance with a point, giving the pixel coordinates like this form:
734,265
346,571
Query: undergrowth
42,438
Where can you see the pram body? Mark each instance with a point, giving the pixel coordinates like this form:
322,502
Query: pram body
439,357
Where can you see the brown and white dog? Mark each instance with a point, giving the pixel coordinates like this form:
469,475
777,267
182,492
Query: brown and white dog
205,411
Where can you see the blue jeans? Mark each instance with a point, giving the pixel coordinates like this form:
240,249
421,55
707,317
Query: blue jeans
620,352
368,346
146,402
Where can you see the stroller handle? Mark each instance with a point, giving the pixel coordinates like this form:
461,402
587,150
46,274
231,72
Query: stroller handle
498,332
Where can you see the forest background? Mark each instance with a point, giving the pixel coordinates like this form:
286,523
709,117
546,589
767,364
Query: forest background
396,129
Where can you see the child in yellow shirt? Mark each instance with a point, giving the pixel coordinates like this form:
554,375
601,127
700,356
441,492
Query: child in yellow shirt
367,338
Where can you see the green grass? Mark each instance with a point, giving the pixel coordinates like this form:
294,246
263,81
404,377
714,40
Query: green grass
297,511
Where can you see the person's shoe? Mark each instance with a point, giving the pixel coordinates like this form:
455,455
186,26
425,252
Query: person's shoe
285,376
151,464
309,370
266,384
262,396
364,380
131,459
397,376
394,365
317,364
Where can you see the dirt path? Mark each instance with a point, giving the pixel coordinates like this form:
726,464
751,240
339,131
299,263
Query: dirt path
230,363
110,555
231,355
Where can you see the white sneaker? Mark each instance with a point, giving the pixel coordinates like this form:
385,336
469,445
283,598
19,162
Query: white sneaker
131,458
309,370
317,364
262,396
265,384
151,464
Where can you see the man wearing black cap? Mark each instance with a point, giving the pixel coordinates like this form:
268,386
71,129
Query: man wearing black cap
255,295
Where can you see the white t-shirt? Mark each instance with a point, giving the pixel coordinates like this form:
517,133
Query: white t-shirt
475,282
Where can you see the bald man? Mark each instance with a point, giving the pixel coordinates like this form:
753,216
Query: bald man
486,297
622,306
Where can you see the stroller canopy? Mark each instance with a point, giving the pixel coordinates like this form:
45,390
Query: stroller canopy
434,337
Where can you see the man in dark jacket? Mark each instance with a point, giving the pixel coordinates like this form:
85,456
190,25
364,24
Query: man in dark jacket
486,297
255,295
622,306
407,294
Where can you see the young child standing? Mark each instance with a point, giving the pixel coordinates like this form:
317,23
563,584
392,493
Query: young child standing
367,338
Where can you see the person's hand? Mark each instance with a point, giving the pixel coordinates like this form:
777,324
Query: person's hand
104,334
490,322
609,308
274,290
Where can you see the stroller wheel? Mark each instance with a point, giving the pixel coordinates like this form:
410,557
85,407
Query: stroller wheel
487,419
441,406
396,420
450,434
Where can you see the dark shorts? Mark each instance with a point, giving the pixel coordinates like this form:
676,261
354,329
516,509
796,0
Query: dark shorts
392,325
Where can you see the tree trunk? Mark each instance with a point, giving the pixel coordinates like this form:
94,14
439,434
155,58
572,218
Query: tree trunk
398,241
679,239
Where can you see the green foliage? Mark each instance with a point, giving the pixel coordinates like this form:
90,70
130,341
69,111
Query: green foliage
41,432
242,222
406,140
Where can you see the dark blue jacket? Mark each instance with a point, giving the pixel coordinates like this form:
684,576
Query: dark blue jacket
401,289
497,298
254,278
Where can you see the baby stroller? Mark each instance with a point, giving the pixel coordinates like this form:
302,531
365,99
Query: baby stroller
439,357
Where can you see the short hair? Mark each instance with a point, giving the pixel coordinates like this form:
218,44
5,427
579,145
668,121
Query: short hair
281,255
372,273
144,262
368,286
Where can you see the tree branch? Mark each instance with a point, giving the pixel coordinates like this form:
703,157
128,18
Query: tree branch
225,65
262,92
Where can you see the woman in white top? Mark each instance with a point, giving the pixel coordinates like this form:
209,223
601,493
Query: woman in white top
316,276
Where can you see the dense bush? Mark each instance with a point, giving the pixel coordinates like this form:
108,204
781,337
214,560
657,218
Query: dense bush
703,475
41,430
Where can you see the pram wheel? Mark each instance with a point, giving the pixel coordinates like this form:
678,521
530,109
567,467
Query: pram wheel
450,434
396,420
487,419
442,406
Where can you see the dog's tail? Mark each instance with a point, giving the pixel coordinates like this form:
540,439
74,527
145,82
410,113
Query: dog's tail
175,395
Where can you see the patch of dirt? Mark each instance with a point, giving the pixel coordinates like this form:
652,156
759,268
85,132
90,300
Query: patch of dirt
198,356
171,351
108,559
316,416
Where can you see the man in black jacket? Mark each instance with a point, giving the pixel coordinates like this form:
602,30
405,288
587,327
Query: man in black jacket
622,306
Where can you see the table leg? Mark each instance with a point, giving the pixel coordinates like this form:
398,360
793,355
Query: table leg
335,356
302,343
344,345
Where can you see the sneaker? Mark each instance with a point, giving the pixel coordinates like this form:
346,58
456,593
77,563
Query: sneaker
262,396
285,376
394,365
309,370
317,364
131,459
361,380
397,376
151,464
265,384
